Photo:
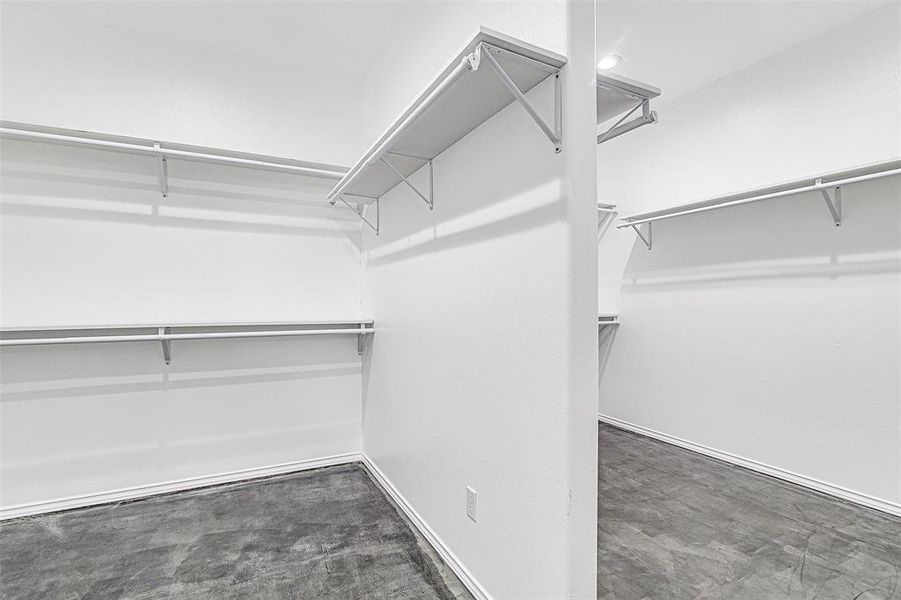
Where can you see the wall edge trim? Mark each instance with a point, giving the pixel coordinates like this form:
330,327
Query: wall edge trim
177,485
811,483
447,555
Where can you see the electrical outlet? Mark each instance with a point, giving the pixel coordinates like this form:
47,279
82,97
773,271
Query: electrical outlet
472,504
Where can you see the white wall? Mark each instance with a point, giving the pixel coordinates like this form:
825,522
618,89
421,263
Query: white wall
471,376
87,239
264,77
763,330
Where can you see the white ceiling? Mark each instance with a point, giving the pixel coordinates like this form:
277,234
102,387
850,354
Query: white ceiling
677,45
308,36
683,45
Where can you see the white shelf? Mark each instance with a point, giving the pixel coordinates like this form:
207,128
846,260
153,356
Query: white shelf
162,152
166,334
829,186
489,73
8,329
619,96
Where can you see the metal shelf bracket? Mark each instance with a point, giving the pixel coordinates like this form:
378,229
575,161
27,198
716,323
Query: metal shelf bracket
430,199
361,339
555,134
647,239
167,345
163,174
833,203
619,128
362,209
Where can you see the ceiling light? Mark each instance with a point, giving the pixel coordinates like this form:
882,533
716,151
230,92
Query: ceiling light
609,61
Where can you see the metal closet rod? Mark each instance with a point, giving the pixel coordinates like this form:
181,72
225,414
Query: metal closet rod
163,335
159,337
803,186
162,151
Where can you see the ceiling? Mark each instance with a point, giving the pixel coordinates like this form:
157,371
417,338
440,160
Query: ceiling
676,45
309,36
683,45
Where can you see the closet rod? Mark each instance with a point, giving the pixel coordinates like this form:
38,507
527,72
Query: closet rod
163,150
164,335
832,181
160,337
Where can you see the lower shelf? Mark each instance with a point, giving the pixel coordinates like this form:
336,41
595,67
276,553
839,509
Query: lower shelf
166,334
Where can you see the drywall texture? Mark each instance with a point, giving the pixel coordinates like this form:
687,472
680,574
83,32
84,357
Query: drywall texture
469,382
87,239
762,330
580,192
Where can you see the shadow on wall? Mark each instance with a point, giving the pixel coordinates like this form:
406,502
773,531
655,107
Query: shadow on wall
606,338
787,238
82,461
45,180
83,418
77,370
606,220
369,350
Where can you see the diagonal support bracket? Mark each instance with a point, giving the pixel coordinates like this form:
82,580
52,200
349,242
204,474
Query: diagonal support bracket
163,173
647,239
648,117
554,134
167,345
362,209
428,200
833,203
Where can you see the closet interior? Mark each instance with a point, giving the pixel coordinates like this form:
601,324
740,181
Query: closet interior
298,299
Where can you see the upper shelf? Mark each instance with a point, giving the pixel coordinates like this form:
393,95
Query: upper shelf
605,319
621,96
828,185
489,73
163,151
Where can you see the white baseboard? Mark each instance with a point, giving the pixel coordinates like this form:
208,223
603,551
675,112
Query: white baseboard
459,569
155,489
824,487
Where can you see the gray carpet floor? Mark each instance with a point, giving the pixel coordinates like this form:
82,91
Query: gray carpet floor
672,524
329,533
677,525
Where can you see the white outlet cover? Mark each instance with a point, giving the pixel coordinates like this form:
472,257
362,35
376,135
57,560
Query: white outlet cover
472,504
